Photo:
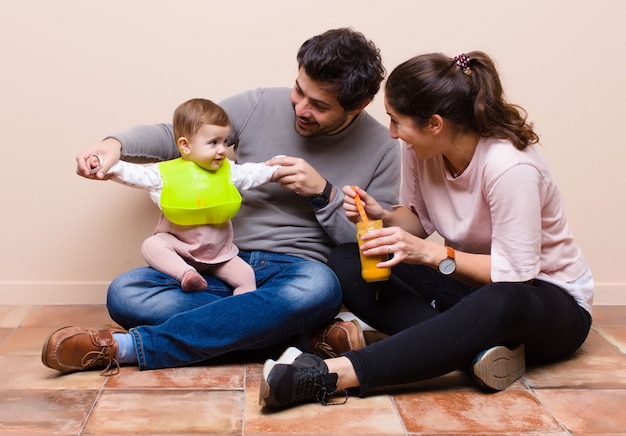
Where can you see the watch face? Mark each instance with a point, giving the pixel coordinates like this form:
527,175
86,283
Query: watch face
318,201
447,266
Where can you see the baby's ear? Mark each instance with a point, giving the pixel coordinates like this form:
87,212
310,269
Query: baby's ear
183,145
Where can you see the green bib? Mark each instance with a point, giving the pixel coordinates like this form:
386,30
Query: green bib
193,196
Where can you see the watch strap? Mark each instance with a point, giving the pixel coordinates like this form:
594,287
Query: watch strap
327,190
451,253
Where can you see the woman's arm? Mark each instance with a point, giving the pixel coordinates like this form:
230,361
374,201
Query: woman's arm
406,219
403,236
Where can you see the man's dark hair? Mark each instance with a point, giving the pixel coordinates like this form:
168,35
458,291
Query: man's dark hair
347,60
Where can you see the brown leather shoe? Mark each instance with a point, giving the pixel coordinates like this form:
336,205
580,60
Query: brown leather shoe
337,338
71,349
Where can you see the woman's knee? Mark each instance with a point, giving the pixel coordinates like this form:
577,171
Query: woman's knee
345,261
503,306
343,254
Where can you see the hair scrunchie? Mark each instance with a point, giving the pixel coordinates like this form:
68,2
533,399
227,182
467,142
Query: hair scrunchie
463,62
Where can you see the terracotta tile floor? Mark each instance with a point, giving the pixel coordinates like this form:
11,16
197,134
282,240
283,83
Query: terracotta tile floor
585,395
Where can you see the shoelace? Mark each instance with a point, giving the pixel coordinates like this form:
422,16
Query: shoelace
99,357
312,385
323,349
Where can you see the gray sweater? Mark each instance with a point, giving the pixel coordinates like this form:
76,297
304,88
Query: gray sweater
275,219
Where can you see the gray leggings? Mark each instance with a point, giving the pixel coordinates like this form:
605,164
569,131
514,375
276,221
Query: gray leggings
438,324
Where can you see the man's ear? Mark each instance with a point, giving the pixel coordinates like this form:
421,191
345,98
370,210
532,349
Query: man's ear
183,145
435,124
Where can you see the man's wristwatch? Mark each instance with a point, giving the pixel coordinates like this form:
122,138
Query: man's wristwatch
319,201
448,265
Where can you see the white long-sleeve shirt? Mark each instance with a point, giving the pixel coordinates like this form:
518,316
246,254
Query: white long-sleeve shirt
148,176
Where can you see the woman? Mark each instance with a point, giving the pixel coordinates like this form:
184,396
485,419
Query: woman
509,286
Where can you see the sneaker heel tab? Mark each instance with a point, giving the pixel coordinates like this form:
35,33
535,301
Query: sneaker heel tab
289,355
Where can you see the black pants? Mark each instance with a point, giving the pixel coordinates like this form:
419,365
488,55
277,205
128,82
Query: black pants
438,324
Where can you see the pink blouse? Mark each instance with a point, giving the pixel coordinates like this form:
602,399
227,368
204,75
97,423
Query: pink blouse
505,204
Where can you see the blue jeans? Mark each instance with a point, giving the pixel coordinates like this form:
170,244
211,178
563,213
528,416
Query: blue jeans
172,328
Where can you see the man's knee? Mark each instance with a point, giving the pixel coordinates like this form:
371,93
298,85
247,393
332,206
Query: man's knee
318,282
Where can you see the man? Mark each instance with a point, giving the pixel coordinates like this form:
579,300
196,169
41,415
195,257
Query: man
322,138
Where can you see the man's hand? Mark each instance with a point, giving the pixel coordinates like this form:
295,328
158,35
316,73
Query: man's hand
96,160
297,175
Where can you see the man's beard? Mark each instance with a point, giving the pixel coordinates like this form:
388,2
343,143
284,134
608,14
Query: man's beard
320,131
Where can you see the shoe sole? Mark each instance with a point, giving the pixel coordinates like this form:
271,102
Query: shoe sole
498,367
362,343
287,358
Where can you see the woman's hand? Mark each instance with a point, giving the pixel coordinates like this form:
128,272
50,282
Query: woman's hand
373,210
96,160
404,247
473,269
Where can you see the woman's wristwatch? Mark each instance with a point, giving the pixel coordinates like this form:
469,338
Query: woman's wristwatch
448,265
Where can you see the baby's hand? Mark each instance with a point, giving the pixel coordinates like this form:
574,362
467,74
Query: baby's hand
96,160
240,291
95,163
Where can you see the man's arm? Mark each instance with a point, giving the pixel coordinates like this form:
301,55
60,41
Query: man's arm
148,143
383,186
140,144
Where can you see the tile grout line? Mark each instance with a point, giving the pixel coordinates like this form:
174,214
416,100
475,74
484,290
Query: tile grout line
533,392
398,414
245,392
93,406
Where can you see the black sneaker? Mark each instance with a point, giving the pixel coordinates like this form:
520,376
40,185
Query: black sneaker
296,378
498,367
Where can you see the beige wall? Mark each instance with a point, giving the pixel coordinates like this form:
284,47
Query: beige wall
74,71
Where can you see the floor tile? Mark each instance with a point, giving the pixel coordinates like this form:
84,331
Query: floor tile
44,412
582,371
27,372
615,334
609,315
12,316
82,315
469,412
229,377
178,412
25,341
370,416
596,344
597,411
4,333
585,394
